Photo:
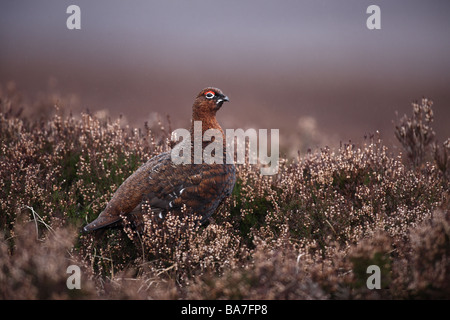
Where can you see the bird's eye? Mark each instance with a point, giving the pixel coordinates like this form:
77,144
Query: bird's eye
209,95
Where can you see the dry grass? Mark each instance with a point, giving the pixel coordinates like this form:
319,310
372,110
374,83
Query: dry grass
309,232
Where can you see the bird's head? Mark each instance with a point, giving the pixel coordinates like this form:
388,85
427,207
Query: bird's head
209,100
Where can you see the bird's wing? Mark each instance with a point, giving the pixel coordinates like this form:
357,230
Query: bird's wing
166,186
200,187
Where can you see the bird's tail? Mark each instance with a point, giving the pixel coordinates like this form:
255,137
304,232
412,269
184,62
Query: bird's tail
101,222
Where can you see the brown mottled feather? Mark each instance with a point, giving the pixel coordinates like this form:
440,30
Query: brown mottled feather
167,186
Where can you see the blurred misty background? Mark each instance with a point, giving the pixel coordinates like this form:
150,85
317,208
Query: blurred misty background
310,68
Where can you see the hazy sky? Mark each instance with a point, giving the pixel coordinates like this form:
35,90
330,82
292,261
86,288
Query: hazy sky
278,61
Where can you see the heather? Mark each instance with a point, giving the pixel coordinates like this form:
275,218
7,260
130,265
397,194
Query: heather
308,232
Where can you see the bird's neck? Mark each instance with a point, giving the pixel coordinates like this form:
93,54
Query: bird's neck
207,121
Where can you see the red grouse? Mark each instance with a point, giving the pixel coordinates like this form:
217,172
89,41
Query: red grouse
168,187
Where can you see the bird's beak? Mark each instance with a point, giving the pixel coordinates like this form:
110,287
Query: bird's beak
220,101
